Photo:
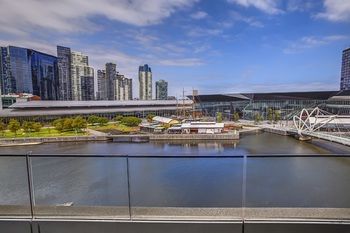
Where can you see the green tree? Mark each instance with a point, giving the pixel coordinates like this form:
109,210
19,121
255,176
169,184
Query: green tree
219,117
277,116
150,117
257,118
270,114
36,126
93,119
27,126
79,123
14,126
67,124
2,127
58,124
131,121
119,118
102,121
235,117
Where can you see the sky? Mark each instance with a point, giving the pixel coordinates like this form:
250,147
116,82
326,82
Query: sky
214,46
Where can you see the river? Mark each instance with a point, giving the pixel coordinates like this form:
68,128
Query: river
181,182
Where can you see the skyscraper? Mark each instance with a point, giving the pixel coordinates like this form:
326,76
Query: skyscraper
87,88
64,73
28,71
111,75
102,85
79,68
44,75
161,90
345,70
123,88
145,82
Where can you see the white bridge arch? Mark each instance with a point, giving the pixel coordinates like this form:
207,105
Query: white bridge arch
311,121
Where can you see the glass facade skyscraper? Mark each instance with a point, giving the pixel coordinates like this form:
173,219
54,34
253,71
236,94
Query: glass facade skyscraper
28,71
20,70
161,90
345,70
64,73
111,75
44,75
145,81
102,84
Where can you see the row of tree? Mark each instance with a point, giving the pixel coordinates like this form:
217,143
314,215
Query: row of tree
14,126
69,124
130,121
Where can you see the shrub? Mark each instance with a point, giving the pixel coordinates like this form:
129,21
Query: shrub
118,118
93,119
2,127
102,121
131,121
58,124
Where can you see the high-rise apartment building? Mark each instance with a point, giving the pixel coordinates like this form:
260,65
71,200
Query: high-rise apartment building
87,88
345,70
123,88
79,68
102,85
145,82
44,75
64,73
28,71
111,75
161,90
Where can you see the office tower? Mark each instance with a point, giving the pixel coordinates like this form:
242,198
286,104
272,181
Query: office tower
345,70
79,68
161,90
102,85
44,75
64,73
28,71
87,88
123,88
111,75
145,82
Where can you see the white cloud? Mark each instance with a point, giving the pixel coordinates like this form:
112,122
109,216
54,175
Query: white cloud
336,10
199,15
236,17
199,32
267,6
182,62
75,15
309,42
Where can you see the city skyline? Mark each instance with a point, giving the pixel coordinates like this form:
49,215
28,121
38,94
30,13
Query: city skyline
188,43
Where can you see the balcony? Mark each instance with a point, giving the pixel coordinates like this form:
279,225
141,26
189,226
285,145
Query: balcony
125,193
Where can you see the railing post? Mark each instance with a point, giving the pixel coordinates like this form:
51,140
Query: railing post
30,183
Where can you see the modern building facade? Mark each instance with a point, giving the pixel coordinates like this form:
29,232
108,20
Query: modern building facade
51,110
123,88
79,68
102,85
287,103
87,88
64,73
345,70
111,75
29,71
145,82
45,81
161,90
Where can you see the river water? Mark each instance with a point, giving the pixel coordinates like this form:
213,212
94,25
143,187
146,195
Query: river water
276,181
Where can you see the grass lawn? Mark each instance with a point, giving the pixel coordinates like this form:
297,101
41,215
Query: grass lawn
115,128
44,132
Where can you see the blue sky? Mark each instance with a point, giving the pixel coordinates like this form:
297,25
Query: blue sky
219,46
